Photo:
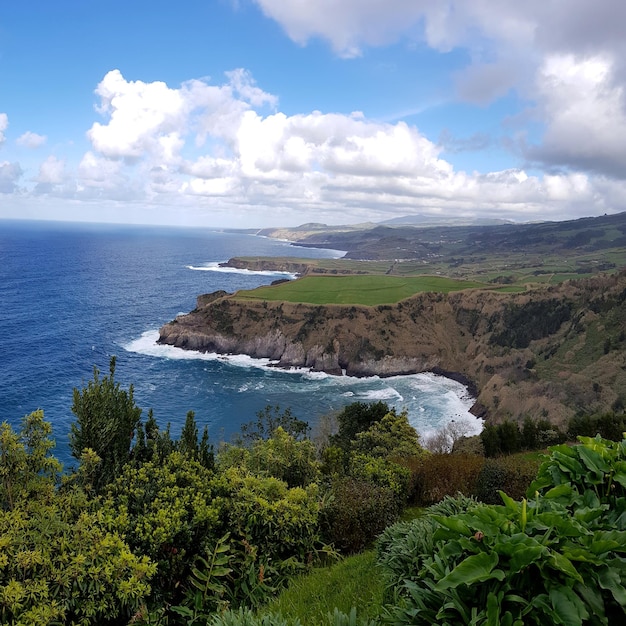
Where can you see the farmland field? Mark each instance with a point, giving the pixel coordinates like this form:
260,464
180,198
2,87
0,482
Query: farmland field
356,289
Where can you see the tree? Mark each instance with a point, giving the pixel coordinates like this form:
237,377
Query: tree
443,440
392,436
59,562
189,445
269,419
107,418
27,469
355,418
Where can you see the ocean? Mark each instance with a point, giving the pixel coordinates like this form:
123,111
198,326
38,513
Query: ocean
73,295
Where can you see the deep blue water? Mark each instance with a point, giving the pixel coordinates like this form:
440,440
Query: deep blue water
73,295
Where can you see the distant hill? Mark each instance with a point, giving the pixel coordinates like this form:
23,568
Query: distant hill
432,220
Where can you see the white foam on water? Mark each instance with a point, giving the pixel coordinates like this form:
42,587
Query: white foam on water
388,393
431,400
216,267
147,345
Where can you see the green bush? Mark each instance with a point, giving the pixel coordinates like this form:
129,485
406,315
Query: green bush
168,511
357,513
402,547
382,473
280,456
609,425
557,558
511,474
59,560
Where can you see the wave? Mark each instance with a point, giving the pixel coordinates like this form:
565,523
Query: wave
431,400
147,345
216,267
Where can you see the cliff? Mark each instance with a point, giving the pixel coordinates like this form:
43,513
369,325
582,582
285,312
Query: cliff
541,353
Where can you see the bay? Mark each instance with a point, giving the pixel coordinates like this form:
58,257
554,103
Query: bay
73,295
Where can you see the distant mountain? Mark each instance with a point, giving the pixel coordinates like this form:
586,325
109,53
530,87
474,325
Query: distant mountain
433,220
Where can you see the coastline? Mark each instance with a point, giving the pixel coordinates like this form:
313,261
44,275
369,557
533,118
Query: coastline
408,390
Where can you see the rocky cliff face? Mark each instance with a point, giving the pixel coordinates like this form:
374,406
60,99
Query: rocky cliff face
511,346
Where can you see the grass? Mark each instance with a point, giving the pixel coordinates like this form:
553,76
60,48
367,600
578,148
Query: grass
357,289
353,582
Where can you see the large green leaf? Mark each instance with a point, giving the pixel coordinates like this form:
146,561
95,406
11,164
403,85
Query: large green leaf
569,608
594,462
610,580
475,568
565,526
455,524
521,549
564,565
563,491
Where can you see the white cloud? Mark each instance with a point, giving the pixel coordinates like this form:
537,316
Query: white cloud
212,147
10,173
52,171
31,140
4,123
584,111
138,113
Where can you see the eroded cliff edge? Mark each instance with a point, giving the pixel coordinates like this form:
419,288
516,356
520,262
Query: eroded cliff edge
540,353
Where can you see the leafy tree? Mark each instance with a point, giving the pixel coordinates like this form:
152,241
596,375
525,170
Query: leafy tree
281,456
391,436
169,512
59,563
27,469
356,418
268,420
107,419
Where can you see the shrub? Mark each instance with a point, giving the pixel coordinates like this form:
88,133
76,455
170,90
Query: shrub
168,512
402,548
281,456
608,425
382,473
440,475
357,513
512,474
59,564
555,559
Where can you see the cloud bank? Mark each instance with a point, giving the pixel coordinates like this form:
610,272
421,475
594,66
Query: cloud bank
226,149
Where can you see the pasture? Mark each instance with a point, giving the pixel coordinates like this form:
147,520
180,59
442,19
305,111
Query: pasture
370,290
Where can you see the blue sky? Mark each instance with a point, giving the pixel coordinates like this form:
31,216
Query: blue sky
249,113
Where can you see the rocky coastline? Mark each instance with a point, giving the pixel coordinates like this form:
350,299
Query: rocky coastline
518,354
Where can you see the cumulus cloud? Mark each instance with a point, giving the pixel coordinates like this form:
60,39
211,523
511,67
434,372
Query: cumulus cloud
226,148
51,171
567,60
153,119
584,111
4,123
10,173
31,140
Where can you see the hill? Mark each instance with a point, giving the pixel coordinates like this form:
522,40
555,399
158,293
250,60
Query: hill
544,252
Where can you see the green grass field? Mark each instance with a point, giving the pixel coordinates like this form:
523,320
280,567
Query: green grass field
354,581
358,289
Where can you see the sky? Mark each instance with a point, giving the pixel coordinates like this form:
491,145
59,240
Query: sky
257,113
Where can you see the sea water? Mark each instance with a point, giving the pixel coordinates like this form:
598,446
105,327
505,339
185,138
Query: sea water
73,295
